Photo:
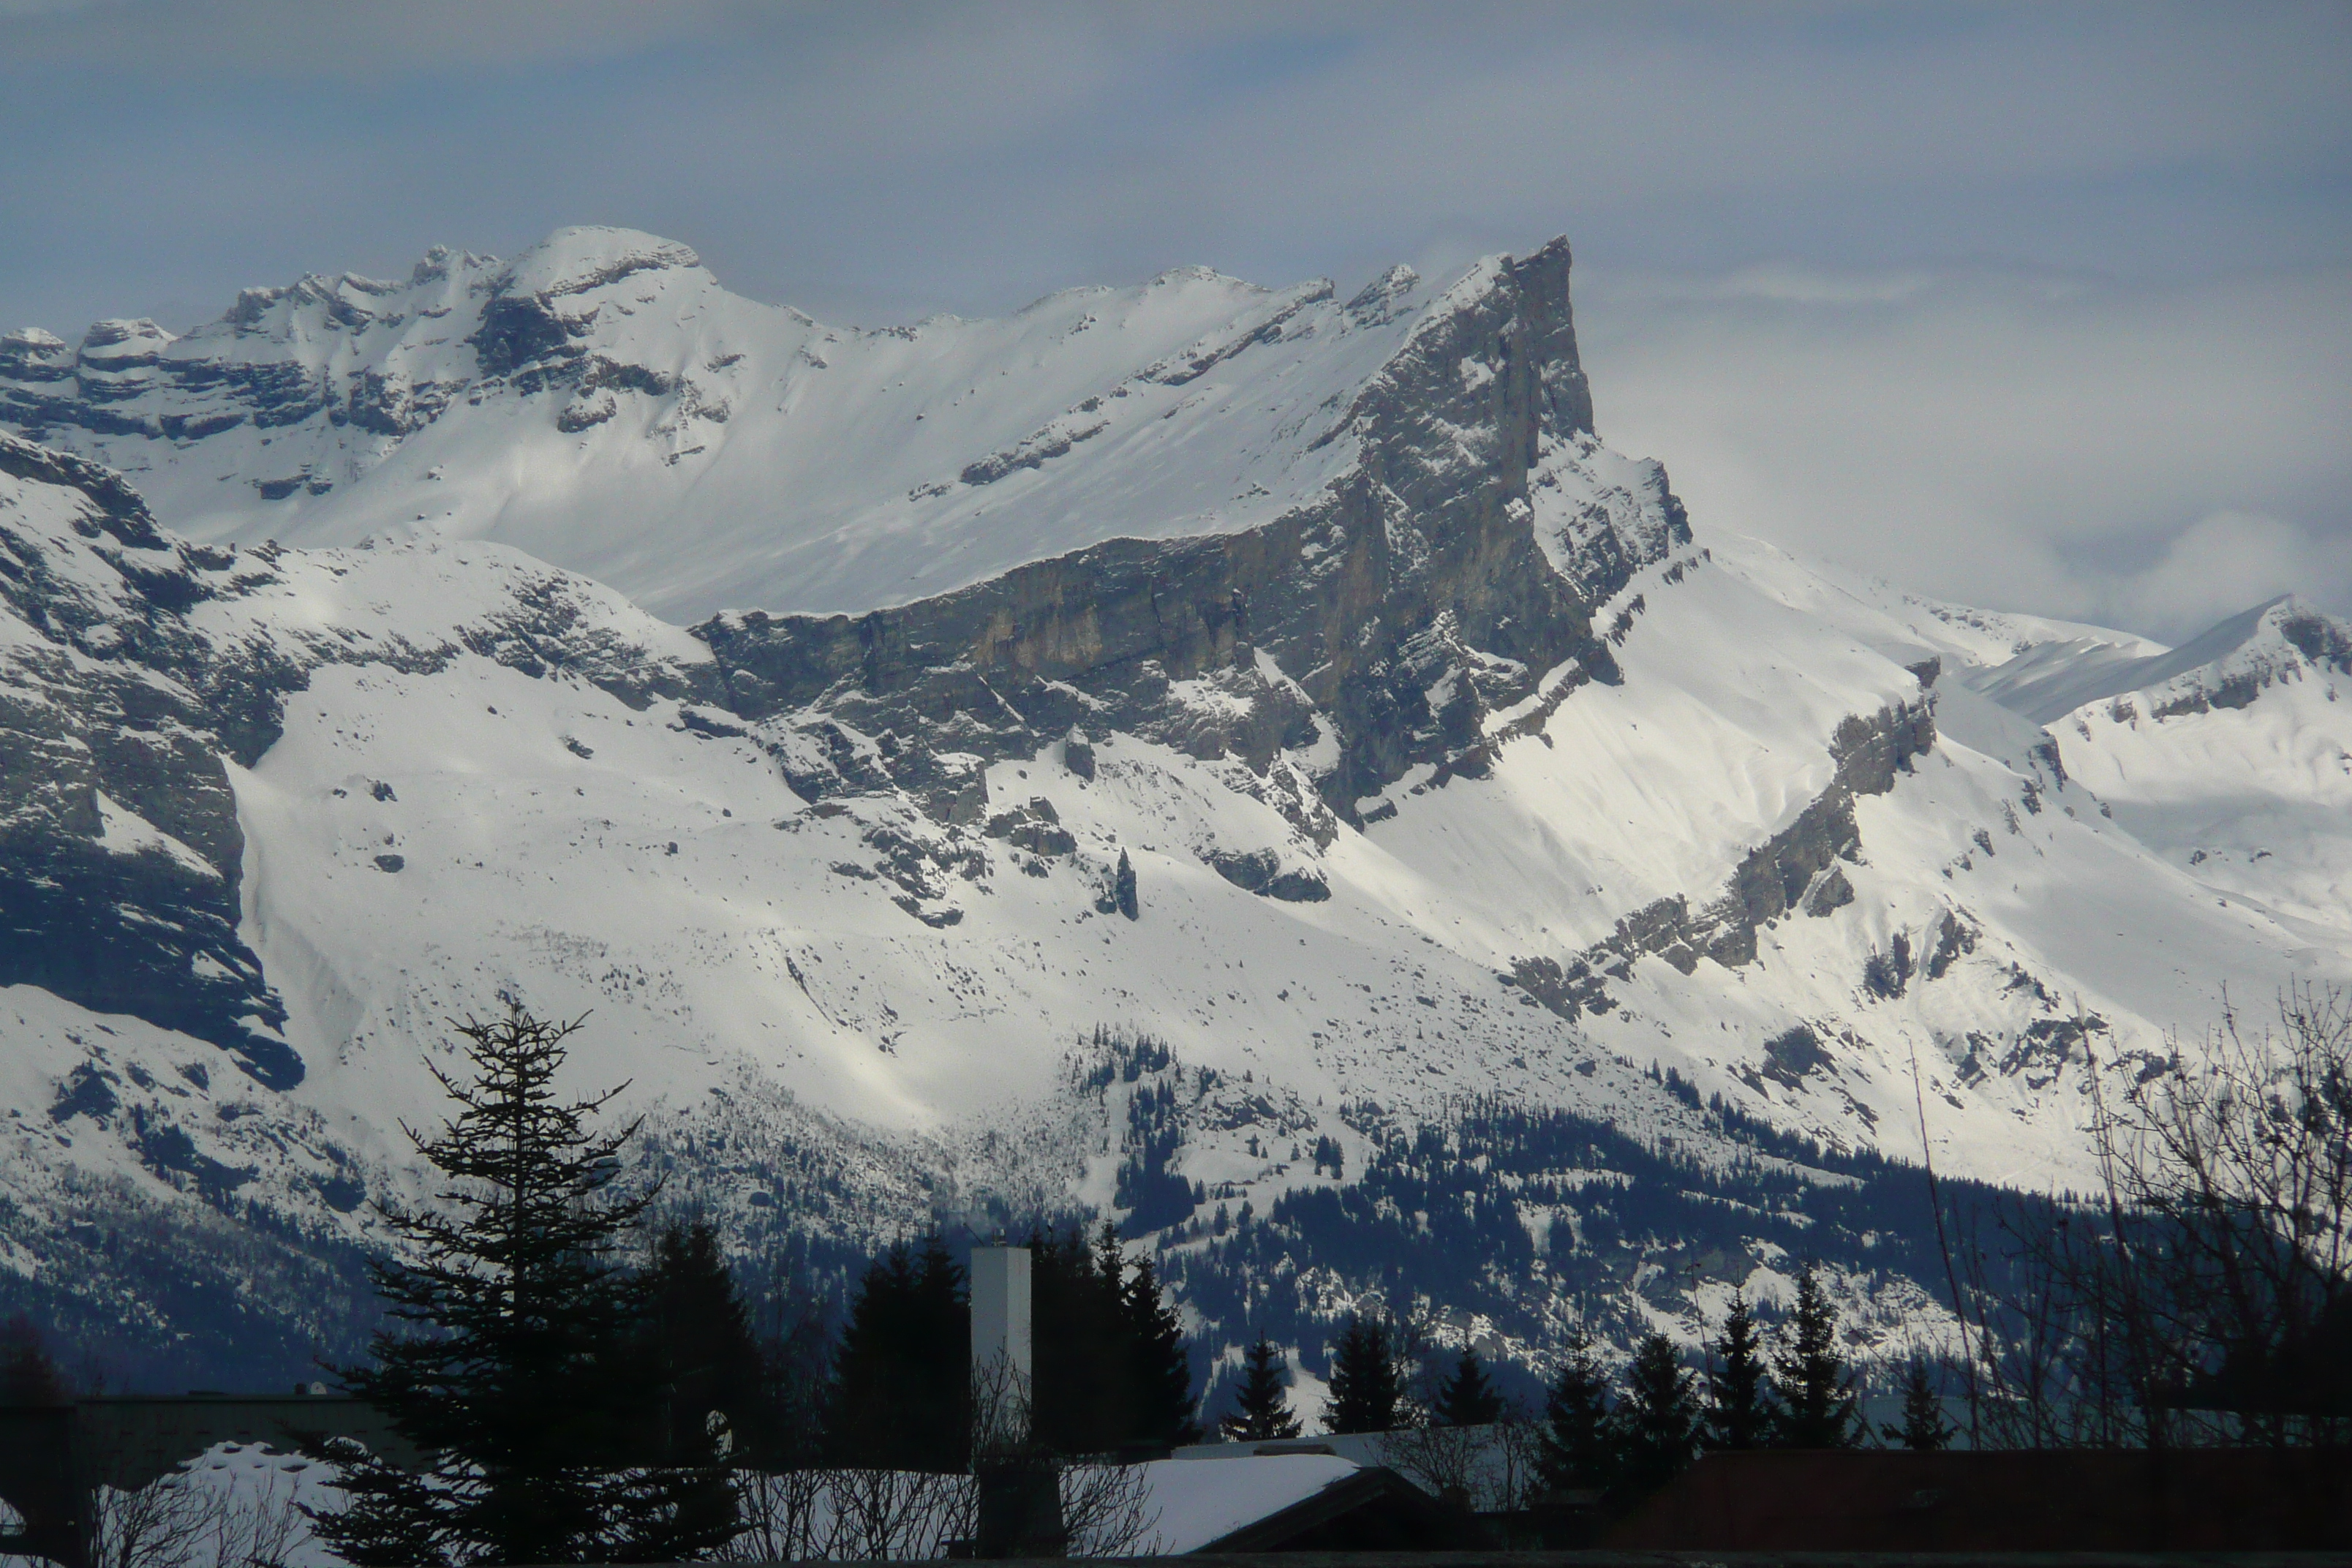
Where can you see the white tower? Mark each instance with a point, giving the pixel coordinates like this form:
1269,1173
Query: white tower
1002,1360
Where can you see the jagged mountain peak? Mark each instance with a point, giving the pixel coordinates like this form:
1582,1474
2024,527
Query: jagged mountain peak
575,260
2232,757
120,339
1179,277
2228,664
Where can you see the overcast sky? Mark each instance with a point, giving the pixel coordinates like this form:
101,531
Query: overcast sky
2042,306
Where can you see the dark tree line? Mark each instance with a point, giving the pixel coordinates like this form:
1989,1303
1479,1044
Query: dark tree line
1437,1210
1111,1370
591,1382
1623,1436
1372,1387
1627,1437
28,1374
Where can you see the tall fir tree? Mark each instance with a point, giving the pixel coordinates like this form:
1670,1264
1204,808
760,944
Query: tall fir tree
711,1376
1924,1428
1468,1397
1261,1412
513,1357
1820,1409
1112,1368
900,1397
1367,1378
796,1361
1741,1412
1573,1443
707,1357
1654,1430
1083,1393
28,1374
1167,1407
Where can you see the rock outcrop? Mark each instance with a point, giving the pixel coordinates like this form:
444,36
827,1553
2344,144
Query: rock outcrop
1400,610
1797,867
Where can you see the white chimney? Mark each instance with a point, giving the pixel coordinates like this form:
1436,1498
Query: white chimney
1000,1356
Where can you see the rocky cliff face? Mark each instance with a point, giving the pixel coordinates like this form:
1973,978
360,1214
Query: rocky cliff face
119,848
1799,867
1398,611
1453,569
601,401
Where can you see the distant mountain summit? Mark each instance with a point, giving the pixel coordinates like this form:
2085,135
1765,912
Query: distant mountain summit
1296,679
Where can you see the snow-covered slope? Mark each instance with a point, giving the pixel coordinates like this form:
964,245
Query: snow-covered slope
2232,757
1451,771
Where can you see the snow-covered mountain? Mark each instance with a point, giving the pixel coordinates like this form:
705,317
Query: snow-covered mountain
1300,682
601,403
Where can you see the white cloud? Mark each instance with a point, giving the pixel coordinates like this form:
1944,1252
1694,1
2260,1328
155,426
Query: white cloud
2225,563
2145,453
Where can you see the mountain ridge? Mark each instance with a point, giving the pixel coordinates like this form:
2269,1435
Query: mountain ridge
544,402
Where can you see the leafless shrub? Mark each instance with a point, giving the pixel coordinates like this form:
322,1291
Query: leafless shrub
1107,1510
1489,1469
2204,1292
783,1516
894,1515
182,1522
2232,1262
1442,1461
1003,1415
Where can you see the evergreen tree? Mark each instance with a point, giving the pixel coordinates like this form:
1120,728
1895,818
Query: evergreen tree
1816,1390
1468,1397
1112,1370
796,1357
389,1518
1741,1413
708,1373
1261,1412
1654,1430
514,1359
1923,1427
1572,1444
1083,1395
28,1374
1166,1409
1367,1381
707,1359
901,1394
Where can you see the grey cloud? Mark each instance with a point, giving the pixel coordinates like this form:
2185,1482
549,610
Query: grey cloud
2226,563
2144,454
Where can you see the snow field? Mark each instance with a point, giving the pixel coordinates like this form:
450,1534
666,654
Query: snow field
750,456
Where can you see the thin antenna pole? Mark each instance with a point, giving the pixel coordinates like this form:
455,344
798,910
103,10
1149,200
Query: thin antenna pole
1943,1245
